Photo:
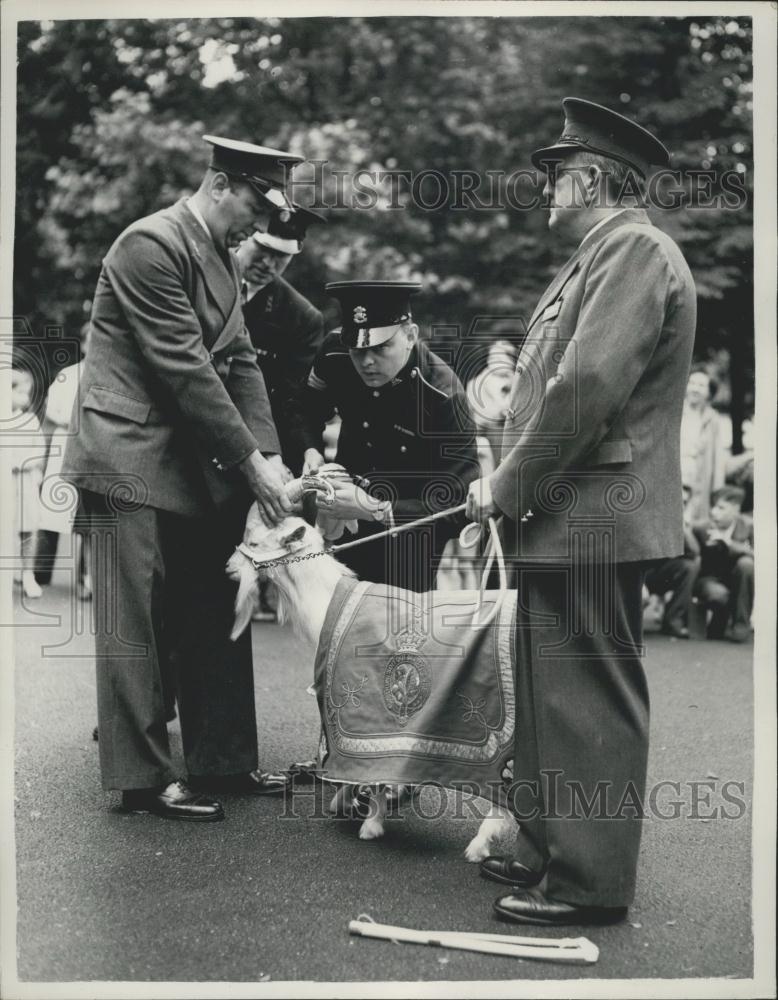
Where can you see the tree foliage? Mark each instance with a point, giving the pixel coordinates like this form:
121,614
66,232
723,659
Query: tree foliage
110,115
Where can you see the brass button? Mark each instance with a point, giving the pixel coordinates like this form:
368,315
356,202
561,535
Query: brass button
414,373
376,392
365,423
369,444
403,448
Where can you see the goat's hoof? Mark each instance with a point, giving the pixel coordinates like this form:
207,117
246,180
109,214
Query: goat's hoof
371,830
476,850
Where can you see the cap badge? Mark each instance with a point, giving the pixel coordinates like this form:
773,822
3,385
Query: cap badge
360,314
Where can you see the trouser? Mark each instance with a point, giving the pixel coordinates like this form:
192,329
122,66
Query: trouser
582,716
728,597
162,602
678,576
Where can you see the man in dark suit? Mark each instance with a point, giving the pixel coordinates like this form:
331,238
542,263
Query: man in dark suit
726,583
406,433
171,438
285,328
590,488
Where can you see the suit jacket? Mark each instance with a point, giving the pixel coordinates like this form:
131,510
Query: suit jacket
171,395
591,443
286,331
719,557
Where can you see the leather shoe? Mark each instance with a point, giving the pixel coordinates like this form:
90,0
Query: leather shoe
253,783
174,801
532,907
510,872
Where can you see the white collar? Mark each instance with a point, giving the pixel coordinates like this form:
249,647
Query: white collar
602,222
190,204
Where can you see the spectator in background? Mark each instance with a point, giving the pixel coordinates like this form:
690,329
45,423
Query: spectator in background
726,582
677,576
703,454
27,460
57,519
740,468
487,396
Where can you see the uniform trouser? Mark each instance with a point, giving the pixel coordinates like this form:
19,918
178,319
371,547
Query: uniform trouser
582,714
162,602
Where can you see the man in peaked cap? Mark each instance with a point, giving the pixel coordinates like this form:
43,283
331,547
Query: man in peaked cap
589,484
285,328
405,433
171,439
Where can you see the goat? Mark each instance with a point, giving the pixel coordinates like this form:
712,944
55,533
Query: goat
305,589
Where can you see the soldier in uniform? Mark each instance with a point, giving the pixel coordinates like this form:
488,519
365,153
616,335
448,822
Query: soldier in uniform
591,447
171,438
285,328
406,432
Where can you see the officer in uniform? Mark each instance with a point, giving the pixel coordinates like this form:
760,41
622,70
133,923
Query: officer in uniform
285,328
171,439
591,448
406,433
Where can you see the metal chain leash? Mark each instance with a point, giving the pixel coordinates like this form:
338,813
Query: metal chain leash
329,550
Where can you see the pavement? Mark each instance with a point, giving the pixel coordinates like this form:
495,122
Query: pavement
267,895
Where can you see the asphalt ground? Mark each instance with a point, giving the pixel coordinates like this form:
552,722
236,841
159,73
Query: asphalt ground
267,895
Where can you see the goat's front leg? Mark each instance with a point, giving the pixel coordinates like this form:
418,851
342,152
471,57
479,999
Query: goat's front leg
373,827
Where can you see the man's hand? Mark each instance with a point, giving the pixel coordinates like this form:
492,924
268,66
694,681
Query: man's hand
312,461
480,505
284,471
350,502
267,484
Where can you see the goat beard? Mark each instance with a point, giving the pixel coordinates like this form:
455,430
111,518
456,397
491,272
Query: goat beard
246,599
319,575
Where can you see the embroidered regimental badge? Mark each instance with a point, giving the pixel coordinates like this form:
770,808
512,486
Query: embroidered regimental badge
360,314
407,678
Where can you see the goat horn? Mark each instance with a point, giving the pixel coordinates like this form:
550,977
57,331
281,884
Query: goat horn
320,485
294,490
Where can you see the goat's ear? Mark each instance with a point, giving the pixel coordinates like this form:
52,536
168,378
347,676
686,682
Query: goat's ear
293,536
248,593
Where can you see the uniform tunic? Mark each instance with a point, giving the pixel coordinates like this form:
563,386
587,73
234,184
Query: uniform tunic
412,441
591,445
286,331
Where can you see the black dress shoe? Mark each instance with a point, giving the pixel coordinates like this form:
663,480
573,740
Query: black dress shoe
253,783
532,907
174,801
510,872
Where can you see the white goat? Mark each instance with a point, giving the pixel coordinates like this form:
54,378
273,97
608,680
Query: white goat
305,589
